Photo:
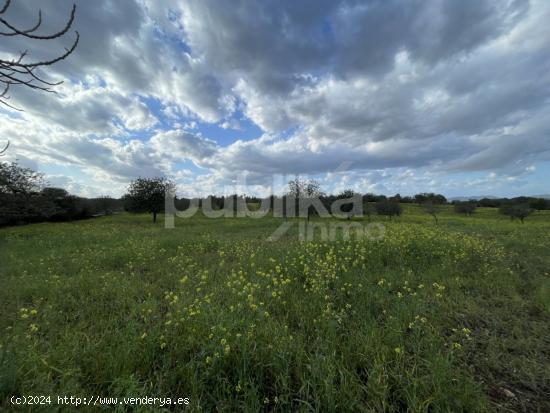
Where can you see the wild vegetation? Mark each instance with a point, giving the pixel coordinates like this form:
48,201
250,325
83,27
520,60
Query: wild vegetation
448,317
25,197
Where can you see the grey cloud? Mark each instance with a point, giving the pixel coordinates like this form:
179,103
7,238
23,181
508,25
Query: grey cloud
445,85
270,43
120,43
179,144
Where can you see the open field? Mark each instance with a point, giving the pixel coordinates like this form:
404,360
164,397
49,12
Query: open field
454,317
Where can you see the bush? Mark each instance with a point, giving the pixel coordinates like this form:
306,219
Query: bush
24,199
467,208
520,211
388,207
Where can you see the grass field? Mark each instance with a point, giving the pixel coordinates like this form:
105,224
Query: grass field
447,318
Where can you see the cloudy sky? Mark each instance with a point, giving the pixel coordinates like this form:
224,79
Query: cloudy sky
380,95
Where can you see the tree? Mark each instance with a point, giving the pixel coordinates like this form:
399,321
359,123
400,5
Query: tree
302,188
106,205
489,203
367,210
304,192
17,185
424,197
520,211
389,207
3,151
19,72
15,179
24,199
54,193
539,204
348,207
368,197
58,205
147,195
432,209
466,207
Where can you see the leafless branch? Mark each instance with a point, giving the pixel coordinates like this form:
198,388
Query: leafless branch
5,7
3,151
19,72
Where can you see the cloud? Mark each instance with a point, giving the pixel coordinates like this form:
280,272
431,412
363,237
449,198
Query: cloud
178,144
401,91
121,44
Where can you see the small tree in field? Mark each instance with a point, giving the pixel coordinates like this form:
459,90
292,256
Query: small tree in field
467,208
432,209
299,189
347,209
520,211
368,210
388,207
147,195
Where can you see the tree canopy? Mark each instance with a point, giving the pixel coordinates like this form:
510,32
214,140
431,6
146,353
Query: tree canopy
147,195
15,179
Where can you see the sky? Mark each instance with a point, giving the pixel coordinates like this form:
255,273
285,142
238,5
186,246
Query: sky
378,96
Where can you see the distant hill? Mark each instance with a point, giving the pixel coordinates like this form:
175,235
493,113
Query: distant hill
477,197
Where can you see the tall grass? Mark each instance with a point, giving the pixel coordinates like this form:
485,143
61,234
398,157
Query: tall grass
430,318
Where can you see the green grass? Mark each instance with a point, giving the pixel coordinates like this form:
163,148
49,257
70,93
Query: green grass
450,318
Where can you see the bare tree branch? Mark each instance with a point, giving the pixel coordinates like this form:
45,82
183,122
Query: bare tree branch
3,151
28,33
31,30
6,5
18,72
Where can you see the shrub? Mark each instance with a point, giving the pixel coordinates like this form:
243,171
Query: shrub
467,207
520,211
388,207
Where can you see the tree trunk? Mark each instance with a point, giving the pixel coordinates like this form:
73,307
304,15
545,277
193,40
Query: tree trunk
154,217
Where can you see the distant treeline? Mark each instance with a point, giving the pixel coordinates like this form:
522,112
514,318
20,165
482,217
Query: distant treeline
534,203
218,202
52,204
25,197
